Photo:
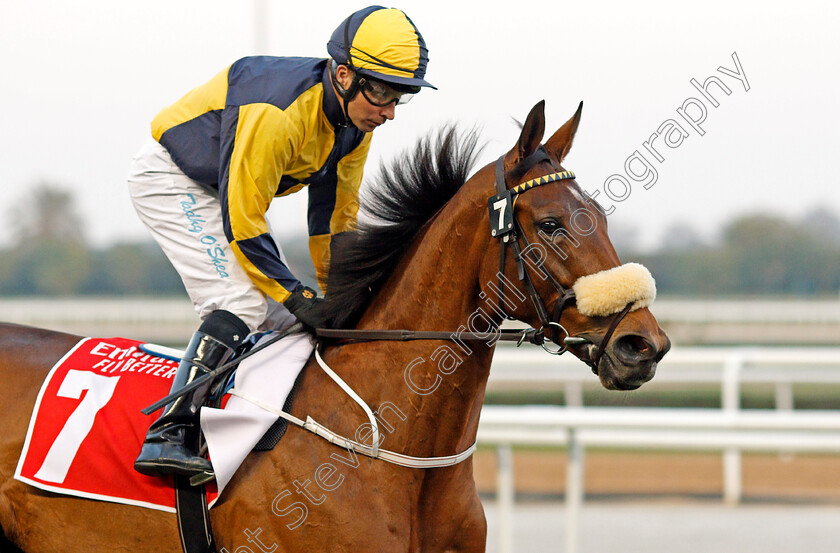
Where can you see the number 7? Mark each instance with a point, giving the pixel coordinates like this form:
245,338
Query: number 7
500,207
66,445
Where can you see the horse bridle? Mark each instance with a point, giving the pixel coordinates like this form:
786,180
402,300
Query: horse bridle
505,226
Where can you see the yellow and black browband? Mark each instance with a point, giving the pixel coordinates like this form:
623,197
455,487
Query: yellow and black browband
545,179
502,204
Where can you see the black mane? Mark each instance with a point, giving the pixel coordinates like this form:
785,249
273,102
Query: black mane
403,197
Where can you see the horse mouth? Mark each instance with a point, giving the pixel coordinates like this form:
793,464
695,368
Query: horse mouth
614,374
623,377
612,379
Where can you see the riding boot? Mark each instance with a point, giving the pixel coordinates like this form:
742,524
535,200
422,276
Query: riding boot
167,448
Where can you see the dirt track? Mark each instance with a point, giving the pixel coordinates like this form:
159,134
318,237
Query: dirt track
765,476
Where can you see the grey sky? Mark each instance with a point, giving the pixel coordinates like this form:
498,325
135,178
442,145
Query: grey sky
82,80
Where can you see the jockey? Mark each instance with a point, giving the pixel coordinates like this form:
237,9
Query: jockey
265,127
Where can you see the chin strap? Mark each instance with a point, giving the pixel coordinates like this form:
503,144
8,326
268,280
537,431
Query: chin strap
346,94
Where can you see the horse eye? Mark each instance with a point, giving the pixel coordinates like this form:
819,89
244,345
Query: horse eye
548,226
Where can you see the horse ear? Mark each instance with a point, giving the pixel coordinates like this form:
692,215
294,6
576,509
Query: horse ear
532,132
561,142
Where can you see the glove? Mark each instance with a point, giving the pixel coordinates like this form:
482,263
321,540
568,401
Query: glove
307,307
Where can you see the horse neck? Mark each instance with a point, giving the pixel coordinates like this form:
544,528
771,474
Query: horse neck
436,287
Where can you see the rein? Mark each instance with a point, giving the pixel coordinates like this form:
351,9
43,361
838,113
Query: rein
355,336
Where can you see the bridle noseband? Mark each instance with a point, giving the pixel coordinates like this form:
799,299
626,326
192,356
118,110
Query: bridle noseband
505,226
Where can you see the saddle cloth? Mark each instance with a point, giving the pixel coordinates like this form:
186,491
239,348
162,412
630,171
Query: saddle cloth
86,427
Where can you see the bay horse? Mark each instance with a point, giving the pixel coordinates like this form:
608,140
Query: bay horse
433,266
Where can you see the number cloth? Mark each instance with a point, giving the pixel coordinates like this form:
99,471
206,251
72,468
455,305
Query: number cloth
86,427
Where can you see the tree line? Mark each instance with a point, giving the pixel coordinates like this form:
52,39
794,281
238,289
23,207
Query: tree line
755,254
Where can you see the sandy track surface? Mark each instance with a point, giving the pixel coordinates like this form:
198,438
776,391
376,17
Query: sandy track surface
783,477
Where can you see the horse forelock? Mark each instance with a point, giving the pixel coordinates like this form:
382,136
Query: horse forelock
403,197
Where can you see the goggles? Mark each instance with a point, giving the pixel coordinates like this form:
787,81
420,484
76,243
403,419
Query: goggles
380,94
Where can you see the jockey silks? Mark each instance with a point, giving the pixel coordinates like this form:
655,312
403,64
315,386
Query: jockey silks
264,127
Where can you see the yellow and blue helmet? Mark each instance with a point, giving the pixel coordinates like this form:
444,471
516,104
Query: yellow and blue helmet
381,43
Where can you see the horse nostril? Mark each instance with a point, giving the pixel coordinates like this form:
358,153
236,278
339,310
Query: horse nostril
636,347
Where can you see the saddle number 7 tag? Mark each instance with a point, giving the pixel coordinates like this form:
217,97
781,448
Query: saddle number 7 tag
501,213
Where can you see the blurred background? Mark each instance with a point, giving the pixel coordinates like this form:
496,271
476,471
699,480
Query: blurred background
740,226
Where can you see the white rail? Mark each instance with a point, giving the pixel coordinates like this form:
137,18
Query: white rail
731,368
531,369
660,428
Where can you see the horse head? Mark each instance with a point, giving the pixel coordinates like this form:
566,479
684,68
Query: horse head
560,271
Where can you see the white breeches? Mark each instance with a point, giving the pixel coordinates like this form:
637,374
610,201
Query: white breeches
185,219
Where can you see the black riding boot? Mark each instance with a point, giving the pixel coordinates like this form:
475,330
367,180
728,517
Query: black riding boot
166,449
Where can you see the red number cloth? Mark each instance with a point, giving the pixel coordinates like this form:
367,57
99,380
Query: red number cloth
86,427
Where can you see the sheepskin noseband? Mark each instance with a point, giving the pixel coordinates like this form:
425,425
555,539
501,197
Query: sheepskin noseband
607,292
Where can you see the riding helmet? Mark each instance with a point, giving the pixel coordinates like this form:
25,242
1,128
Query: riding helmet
381,43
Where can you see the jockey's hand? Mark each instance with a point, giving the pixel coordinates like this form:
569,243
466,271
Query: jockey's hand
307,307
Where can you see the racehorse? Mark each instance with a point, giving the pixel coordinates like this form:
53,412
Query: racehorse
434,266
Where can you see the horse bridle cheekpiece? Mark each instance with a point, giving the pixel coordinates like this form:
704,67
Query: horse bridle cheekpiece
600,294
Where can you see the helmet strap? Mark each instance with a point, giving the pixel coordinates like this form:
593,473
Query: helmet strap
346,94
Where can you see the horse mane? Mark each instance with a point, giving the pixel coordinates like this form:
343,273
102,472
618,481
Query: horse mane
401,199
